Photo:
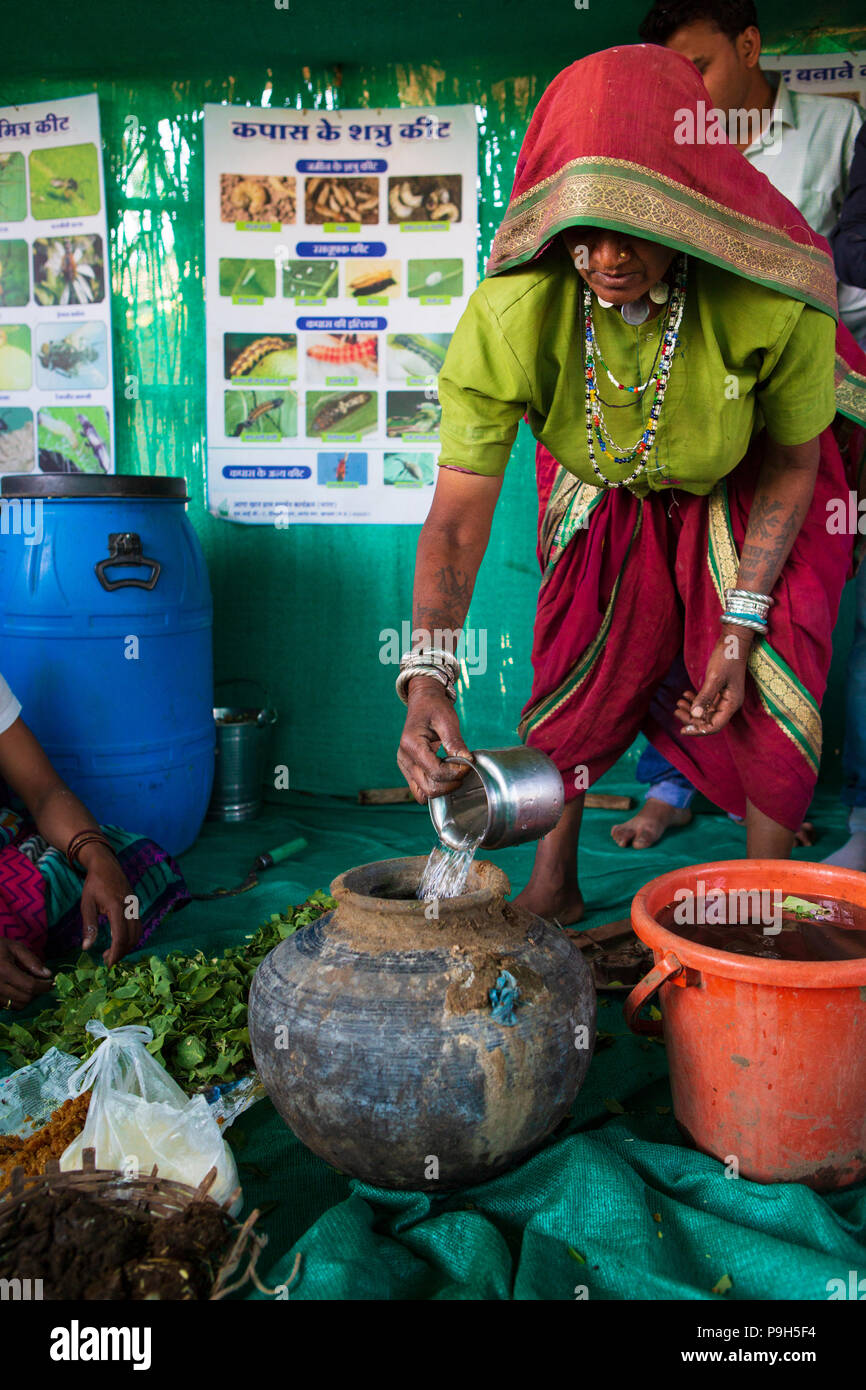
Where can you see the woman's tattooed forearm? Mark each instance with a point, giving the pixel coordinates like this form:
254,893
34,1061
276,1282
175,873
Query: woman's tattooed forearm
448,614
764,517
777,525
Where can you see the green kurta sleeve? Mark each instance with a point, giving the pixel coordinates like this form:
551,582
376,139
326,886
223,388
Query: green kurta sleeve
796,392
484,392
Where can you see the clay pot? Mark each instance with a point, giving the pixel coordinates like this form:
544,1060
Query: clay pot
372,1029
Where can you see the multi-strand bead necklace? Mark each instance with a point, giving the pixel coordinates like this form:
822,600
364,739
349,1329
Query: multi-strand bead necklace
596,428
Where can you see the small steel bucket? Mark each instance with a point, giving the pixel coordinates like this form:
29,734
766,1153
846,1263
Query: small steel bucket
243,740
510,795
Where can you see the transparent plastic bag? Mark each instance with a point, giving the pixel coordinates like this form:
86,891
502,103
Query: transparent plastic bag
138,1116
30,1095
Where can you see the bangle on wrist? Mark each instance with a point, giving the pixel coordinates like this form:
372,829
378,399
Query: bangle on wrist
78,842
744,607
432,662
431,673
431,657
752,623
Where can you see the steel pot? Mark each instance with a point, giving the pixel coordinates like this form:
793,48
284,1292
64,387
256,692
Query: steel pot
510,795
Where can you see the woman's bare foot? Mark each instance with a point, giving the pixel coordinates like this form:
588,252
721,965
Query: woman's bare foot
564,905
649,824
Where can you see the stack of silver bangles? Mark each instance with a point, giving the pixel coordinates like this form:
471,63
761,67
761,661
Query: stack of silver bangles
745,609
435,662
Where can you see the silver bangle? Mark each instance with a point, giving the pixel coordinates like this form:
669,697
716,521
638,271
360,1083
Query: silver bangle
431,656
448,657
435,672
759,626
748,595
741,609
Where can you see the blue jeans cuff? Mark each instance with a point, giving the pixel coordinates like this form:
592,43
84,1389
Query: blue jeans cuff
673,794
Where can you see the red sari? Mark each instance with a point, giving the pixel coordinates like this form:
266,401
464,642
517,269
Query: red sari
632,589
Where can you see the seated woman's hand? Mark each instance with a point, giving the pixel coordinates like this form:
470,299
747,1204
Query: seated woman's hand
106,893
22,975
722,691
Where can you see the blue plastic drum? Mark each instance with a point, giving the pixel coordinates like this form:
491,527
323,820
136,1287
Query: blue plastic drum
105,637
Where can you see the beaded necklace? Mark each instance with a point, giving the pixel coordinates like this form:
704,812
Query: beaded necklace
595,423
620,386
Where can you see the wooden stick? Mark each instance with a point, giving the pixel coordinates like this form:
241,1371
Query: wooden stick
384,796
594,936
393,796
605,801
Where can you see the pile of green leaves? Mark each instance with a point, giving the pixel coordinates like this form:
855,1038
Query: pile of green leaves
195,1004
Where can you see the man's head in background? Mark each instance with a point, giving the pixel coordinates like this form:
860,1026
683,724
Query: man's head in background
722,39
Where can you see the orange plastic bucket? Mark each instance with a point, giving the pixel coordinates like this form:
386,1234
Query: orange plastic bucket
767,1057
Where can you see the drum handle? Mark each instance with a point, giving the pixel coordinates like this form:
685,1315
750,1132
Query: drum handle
124,549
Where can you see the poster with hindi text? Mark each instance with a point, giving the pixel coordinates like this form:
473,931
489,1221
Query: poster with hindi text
828,74
341,249
56,391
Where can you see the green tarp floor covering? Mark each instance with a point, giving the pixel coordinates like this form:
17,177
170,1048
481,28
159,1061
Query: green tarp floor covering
615,1206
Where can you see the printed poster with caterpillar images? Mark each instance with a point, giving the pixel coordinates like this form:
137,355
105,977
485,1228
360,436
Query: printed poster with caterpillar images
56,401
340,253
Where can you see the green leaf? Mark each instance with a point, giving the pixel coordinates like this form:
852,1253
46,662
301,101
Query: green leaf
128,991
725,1283
581,1259
201,996
162,1024
130,1013
190,1052
802,907
614,1106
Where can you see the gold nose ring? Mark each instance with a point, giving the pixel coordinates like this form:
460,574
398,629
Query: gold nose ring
623,255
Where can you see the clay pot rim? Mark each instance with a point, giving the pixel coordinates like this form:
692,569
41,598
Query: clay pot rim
497,887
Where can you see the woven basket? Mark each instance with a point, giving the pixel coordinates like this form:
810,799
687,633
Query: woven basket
153,1194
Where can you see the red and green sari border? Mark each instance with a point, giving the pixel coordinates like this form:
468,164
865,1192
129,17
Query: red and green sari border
850,392
569,507
628,197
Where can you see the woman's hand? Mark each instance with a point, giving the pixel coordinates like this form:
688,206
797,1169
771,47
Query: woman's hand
430,722
723,688
105,893
22,975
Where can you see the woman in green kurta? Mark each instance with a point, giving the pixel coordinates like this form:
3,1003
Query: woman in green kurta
739,350
665,321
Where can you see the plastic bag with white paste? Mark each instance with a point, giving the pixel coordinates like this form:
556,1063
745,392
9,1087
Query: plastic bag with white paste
138,1116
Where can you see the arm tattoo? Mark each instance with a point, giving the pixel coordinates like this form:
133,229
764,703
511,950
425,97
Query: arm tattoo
455,584
776,524
765,517
449,614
